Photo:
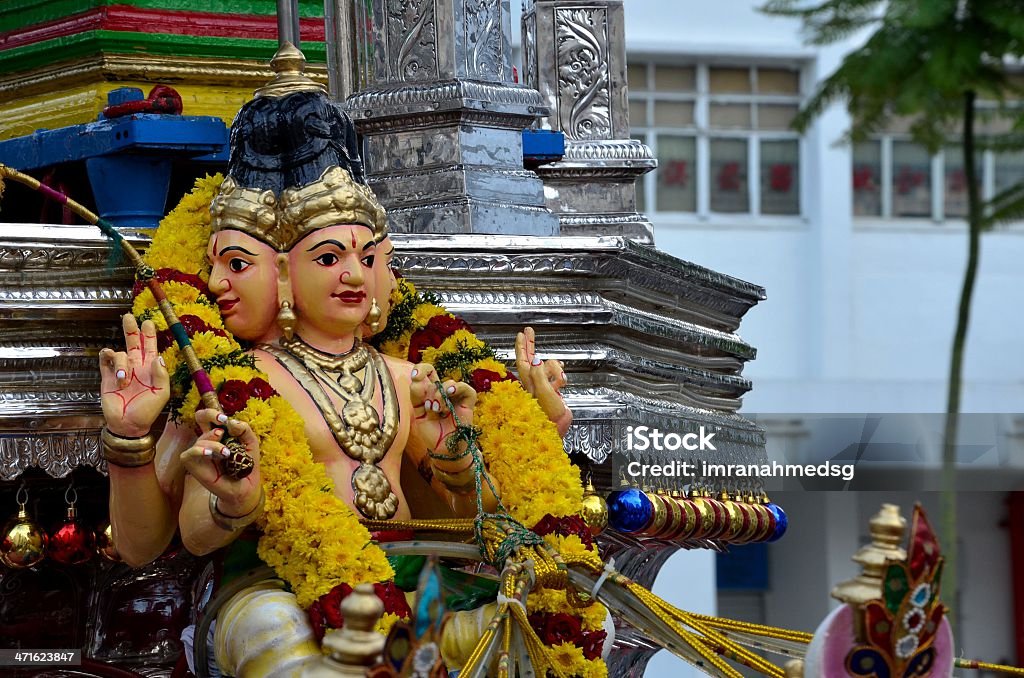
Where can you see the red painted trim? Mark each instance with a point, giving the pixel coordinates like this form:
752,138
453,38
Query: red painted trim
1015,523
170,22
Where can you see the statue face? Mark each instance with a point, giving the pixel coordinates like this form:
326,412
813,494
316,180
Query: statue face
332,281
244,281
384,283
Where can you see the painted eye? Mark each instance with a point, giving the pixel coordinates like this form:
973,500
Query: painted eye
368,260
327,259
238,265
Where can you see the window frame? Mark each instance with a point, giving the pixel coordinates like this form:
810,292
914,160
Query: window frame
702,133
937,174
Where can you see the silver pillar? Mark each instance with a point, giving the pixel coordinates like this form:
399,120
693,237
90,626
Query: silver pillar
574,52
441,119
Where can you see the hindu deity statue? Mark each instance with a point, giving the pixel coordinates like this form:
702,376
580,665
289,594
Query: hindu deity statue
300,269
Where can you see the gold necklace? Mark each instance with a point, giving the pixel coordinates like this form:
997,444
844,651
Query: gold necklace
357,429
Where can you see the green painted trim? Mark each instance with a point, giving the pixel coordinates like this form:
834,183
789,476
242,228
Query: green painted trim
121,42
16,14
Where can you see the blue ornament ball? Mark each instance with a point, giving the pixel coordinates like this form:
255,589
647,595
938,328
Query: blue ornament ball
781,521
629,510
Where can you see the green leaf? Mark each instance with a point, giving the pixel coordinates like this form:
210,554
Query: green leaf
895,587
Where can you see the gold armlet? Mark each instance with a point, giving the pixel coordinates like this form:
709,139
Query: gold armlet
128,452
463,482
235,523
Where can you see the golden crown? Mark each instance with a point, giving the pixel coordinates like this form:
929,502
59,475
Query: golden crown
332,199
249,210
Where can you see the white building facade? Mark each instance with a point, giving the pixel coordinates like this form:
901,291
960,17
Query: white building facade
862,252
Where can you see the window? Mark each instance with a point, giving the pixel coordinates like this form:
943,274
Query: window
895,178
721,135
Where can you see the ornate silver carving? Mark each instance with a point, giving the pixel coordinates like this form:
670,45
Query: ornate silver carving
56,453
365,103
412,26
469,101
483,39
583,100
641,276
596,439
614,149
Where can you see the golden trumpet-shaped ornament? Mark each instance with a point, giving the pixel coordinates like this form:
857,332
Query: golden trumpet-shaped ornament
595,509
24,543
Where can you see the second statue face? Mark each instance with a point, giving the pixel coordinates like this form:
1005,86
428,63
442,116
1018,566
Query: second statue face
332,281
243,278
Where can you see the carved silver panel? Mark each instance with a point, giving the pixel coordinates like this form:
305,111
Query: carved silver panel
584,106
483,39
56,453
411,40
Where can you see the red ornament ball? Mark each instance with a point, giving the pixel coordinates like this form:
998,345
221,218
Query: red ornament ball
72,543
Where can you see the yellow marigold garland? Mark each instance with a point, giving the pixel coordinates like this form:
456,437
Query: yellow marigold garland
522,450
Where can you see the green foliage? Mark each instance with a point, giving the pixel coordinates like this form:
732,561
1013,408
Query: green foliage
919,62
456,365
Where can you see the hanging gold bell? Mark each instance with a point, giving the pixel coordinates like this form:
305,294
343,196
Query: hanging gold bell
24,543
595,509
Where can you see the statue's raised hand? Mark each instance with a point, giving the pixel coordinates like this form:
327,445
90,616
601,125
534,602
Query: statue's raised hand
204,460
433,418
134,384
542,379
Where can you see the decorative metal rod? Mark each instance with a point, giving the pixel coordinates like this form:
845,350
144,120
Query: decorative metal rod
288,23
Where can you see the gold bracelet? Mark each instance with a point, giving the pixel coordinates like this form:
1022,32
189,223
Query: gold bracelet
235,523
128,452
463,482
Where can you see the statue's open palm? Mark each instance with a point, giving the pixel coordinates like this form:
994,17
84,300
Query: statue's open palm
134,385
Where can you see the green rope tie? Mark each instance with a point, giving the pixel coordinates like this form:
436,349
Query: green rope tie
517,535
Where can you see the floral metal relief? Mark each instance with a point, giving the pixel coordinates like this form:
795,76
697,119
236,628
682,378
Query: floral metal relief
530,50
483,38
583,97
412,29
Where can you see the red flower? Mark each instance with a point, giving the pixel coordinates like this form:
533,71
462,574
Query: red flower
564,527
233,394
546,525
393,598
383,536
422,340
538,620
259,388
481,380
446,325
561,628
592,644
316,619
165,274
330,604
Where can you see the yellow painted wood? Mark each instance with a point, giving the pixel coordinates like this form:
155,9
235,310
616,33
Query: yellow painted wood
82,103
